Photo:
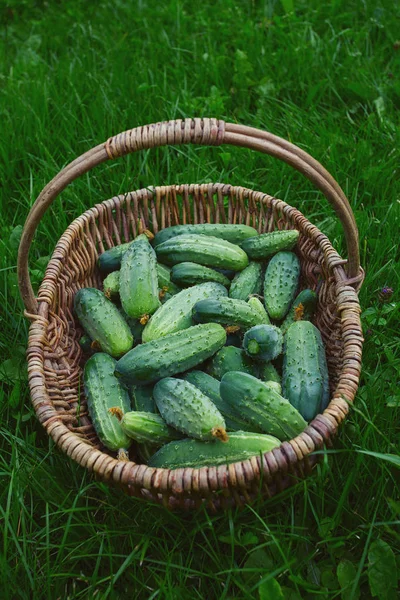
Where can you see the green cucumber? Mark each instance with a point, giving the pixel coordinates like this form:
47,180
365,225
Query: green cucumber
102,322
176,313
228,359
185,407
269,375
187,453
267,244
104,391
146,427
164,280
210,387
187,273
305,380
110,260
138,287
247,282
231,233
111,284
302,309
226,311
259,404
142,398
203,250
281,283
172,354
258,306
263,342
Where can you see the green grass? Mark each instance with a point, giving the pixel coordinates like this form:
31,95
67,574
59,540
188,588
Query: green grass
327,77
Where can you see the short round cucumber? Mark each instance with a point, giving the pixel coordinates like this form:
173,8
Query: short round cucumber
176,313
247,282
185,407
193,453
267,244
103,322
203,250
263,342
187,273
103,392
231,233
226,311
281,283
171,354
111,285
146,427
302,309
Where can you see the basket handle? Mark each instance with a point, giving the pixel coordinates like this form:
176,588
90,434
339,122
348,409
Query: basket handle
189,131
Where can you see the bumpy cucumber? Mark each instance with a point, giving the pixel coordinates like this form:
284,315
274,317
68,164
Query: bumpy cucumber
305,374
164,280
226,311
146,427
185,407
263,342
281,283
102,321
231,233
104,391
176,314
267,244
172,354
203,250
110,260
111,284
210,387
193,453
261,406
228,359
187,273
142,398
269,375
258,306
302,309
138,285
247,282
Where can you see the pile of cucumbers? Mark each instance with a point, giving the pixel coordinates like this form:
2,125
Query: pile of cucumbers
200,348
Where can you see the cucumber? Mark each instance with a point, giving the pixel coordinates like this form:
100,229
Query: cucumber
102,322
247,282
305,380
135,326
210,387
269,375
263,342
231,233
185,453
267,244
146,427
164,280
142,398
257,403
138,286
229,274
104,391
258,306
281,283
230,358
187,273
226,311
110,260
302,309
185,407
111,284
172,354
176,313
203,250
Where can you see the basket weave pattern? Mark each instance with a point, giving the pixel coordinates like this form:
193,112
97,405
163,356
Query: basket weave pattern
55,358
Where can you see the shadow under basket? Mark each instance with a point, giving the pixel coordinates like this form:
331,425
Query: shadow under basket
55,359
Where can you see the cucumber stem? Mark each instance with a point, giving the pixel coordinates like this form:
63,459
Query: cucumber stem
220,434
253,347
123,455
143,320
115,411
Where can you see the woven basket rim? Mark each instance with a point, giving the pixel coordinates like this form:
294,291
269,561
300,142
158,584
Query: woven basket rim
319,431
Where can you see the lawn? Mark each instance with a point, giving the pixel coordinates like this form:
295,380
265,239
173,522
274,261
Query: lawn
325,76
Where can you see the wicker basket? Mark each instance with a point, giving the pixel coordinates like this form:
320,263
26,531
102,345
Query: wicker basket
55,357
